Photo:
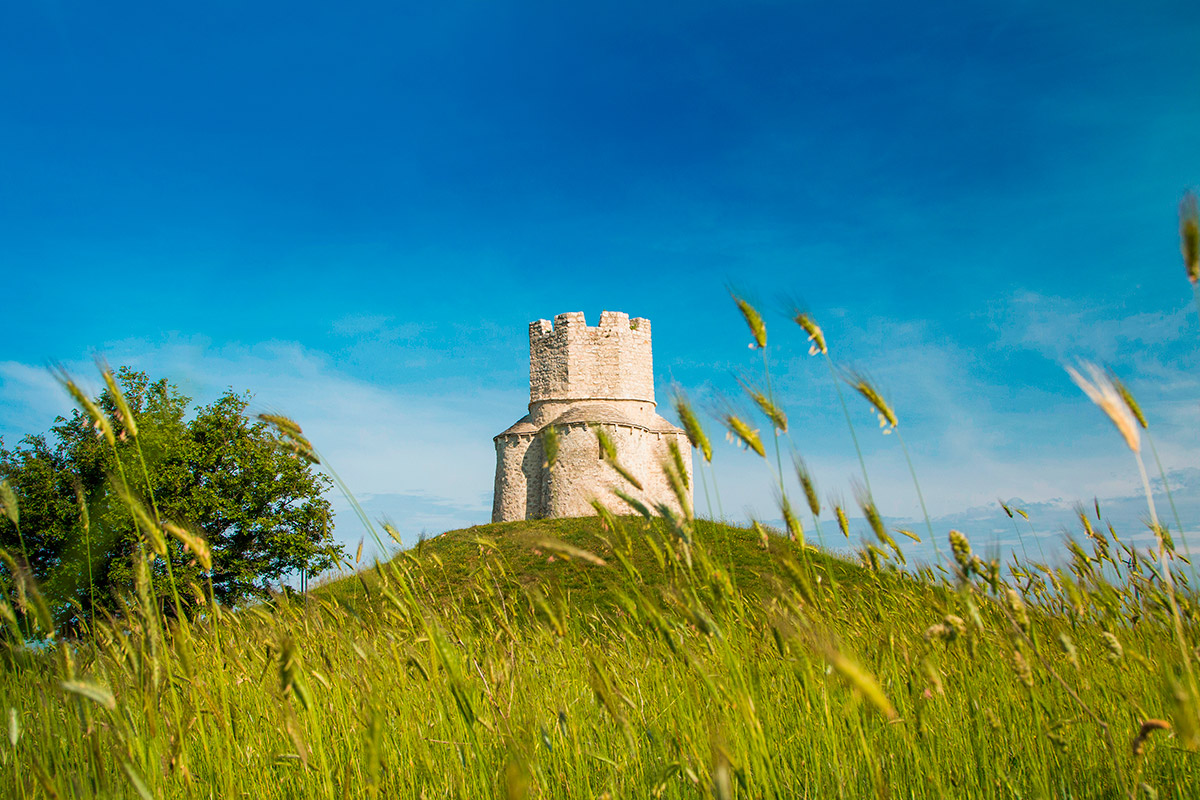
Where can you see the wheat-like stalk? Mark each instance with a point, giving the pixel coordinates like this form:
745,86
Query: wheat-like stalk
1098,386
887,417
124,414
772,411
1102,391
754,320
741,432
99,421
815,334
691,426
1189,236
960,546
808,485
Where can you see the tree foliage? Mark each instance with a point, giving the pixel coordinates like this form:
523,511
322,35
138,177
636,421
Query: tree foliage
215,472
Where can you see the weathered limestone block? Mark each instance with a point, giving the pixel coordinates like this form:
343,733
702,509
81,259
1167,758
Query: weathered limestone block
581,378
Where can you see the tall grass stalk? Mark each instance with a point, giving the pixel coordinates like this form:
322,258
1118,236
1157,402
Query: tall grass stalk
1020,539
1189,243
818,345
619,656
1106,393
1187,549
766,404
920,496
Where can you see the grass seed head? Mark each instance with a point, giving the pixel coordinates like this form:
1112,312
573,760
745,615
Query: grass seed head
1083,519
1113,645
843,523
956,623
196,544
1127,396
961,548
124,412
949,629
284,424
937,631
988,570
772,412
607,448
1068,648
99,421
743,433
791,521
810,488
633,502
677,460
1016,606
887,417
673,470
864,682
92,691
145,523
1148,727
691,426
549,436
292,437
1189,236
763,540
1163,534
8,499
291,681
815,335
1022,668
1100,389
871,512
754,320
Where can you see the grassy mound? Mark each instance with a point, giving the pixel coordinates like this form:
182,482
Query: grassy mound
625,658
560,557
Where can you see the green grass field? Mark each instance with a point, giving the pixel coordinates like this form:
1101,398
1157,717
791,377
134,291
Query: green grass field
634,657
592,658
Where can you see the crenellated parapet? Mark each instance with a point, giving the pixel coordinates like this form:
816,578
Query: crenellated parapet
570,360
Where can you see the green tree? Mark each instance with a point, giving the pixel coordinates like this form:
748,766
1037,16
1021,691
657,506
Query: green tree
217,473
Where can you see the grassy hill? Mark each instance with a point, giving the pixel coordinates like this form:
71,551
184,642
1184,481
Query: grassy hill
622,657
559,558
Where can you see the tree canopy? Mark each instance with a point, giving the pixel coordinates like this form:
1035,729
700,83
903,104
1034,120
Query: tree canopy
232,480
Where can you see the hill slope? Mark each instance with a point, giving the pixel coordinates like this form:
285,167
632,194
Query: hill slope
561,557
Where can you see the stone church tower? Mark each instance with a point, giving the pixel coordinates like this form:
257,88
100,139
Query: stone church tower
580,377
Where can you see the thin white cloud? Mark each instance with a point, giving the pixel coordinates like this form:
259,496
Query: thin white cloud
376,326
30,399
423,459
421,453
974,432
1063,328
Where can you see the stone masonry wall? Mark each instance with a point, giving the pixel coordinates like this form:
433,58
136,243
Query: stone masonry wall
518,487
570,361
581,475
581,377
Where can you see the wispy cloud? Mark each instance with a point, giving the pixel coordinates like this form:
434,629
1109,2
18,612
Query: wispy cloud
1063,328
376,326
978,430
424,460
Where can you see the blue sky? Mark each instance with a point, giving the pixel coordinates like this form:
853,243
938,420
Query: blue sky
355,212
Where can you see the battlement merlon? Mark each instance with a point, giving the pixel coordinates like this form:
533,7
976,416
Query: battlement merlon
569,360
575,321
